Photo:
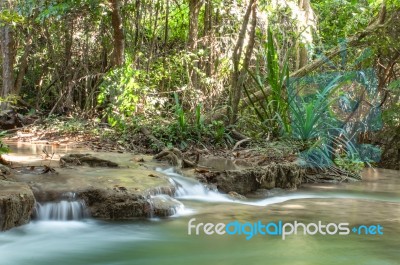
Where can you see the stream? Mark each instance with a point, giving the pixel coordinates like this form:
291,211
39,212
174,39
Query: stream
62,233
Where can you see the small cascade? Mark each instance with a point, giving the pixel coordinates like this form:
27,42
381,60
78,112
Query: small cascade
191,189
163,205
187,188
61,211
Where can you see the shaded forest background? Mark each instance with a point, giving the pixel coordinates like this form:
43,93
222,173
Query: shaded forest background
197,71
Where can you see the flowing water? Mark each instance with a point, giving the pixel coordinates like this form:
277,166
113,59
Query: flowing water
62,234
61,211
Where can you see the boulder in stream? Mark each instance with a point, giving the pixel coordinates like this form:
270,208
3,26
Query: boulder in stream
121,204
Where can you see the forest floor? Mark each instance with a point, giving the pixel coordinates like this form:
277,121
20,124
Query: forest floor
100,137
209,161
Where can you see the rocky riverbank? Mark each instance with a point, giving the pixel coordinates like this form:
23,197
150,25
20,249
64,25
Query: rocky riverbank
16,204
109,192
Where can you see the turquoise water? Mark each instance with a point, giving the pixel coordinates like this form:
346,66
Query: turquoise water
376,200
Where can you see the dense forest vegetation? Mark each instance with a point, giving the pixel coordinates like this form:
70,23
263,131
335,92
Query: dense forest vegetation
321,74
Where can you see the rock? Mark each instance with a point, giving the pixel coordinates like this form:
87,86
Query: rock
236,196
9,119
111,204
244,181
4,170
108,193
16,204
35,170
265,193
85,160
163,205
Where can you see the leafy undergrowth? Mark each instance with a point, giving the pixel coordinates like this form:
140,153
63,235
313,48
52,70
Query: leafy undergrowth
99,136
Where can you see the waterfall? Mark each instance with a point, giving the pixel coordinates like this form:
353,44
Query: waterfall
61,211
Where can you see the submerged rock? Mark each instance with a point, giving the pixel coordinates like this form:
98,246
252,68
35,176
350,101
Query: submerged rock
16,204
85,160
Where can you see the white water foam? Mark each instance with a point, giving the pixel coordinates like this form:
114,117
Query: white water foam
191,189
61,211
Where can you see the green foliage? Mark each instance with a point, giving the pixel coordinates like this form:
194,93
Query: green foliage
350,164
273,110
180,118
3,147
185,127
8,16
322,139
391,116
341,18
120,92
11,99
309,117
61,9
68,125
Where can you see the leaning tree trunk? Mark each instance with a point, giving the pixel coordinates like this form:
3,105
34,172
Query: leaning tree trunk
7,54
352,41
118,35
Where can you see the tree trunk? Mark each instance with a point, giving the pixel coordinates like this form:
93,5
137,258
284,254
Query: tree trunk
301,49
238,75
68,103
194,10
208,34
23,65
118,35
7,54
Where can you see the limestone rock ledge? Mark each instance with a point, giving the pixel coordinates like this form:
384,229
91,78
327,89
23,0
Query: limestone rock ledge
16,204
244,181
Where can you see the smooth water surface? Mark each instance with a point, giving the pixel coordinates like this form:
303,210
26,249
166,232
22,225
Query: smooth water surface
376,200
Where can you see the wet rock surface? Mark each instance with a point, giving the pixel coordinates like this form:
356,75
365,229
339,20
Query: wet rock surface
164,205
16,204
248,180
108,192
265,193
85,160
110,204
